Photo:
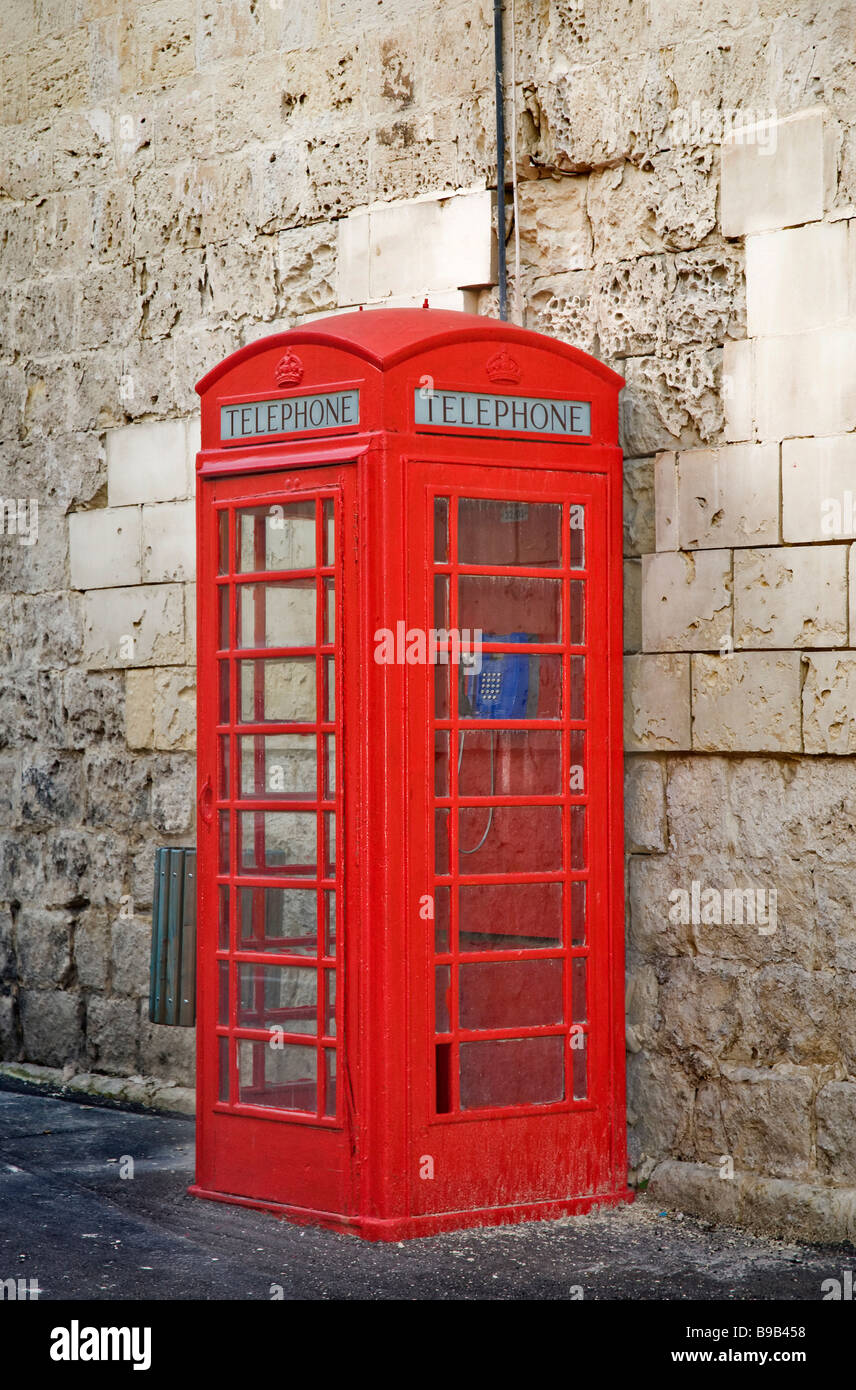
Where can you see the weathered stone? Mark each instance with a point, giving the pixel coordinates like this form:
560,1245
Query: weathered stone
167,1051
836,1131
791,596
43,948
131,943
829,692
728,496
644,806
51,1024
632,606
767,1119
656,703
745,702
686,601
638,506
112,1032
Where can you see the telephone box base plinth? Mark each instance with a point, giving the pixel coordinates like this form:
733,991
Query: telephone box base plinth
434,1223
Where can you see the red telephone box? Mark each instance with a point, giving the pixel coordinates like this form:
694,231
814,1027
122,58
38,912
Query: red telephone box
410,993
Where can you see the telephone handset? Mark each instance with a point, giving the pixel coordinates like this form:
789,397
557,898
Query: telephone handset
500,690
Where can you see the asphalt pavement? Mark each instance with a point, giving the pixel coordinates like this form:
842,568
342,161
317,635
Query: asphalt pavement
84,1223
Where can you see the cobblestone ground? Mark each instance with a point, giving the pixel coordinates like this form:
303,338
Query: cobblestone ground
69,1220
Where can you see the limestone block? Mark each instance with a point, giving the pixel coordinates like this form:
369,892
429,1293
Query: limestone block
563,307
805,384
656,703
57,73
829,702
639,526
431,243
767,1118
43,316
42,948
131,946
819,488
737,381
794,1018
46,630
700,1005
174,709
190,620
142,626
149,462
728,496
555,233
51,792
835,915
158,45
119,788
630,305
686,600
789,811
164,1051
791,596
139,708
666,502
632,606
170,290
112,1032
352,258
104,547
778,174
173,794
660,1099
670,401
747,702
644,806
797,280
91,708
836,1131
169,541
50,1020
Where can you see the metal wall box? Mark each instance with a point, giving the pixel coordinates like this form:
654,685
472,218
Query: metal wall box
172,982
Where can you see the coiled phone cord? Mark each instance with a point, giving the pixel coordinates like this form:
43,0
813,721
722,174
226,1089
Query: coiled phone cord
492,789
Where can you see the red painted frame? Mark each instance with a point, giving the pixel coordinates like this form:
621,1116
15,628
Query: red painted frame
361,1172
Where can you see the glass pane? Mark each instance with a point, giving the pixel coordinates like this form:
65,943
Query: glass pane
277,615
512,685
223,769
281,1078
504,916
511,994
329,525
278,919
223,992
223,862
577,633
501,532
330,1010
441,530
509,762
579,1065
329,766
223,594
329,844
223,923
279,766
283,998
330,944
279,537
330,1063
578,837
282,842
441,692
442,988
277,690
441,842
441,601
510,839
512,1071
224,692
509,607
577,521
329,611
441,763
576,771
441,920
578,990
330,690
223,1086
578,913
223,542
577,687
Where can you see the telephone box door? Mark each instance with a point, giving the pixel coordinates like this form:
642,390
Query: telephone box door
512,1026
275,1081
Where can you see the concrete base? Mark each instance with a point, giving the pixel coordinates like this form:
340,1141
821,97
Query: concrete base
152,1092
771,1206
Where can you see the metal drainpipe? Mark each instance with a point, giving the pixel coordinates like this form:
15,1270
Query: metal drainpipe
500,157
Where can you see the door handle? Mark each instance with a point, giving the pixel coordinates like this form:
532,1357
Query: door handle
206,797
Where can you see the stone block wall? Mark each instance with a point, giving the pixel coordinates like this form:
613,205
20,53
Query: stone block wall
177,180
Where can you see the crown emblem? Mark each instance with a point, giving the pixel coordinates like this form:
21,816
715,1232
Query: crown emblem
502,367
288,370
